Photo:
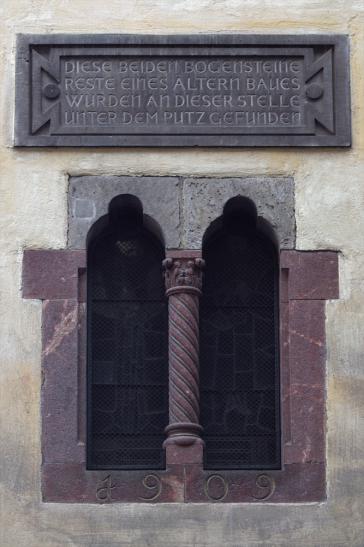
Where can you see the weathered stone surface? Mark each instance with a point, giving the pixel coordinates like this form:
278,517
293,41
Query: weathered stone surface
204,199
306,332
168,200
308,414
62,389
89,198
303,381
312,275
184,454
52,275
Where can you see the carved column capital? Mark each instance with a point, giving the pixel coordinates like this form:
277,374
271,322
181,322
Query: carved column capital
183,272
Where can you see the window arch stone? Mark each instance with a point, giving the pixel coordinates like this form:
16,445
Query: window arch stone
183,206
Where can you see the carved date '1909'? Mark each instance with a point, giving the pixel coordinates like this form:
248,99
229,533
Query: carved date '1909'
104,490
265,486
216,488
153,484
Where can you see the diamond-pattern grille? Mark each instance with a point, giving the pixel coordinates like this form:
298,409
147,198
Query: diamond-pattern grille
127,352
239,377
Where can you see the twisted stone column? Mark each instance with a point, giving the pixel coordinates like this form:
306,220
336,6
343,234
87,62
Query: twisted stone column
183,275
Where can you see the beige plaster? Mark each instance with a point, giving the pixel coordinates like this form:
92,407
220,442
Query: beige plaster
33,213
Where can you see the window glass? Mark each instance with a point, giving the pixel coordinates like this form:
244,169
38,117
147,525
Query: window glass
239,372
127,347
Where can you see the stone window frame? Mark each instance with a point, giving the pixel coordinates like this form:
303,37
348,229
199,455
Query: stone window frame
307,280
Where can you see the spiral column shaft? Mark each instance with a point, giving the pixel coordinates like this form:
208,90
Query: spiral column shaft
183,274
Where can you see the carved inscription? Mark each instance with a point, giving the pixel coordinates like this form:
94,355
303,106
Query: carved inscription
166,91
216,488
186,94
153,485
104,490
264,487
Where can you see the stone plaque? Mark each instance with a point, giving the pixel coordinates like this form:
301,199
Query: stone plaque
202,90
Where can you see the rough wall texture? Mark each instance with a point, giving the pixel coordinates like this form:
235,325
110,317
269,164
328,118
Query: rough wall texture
329,195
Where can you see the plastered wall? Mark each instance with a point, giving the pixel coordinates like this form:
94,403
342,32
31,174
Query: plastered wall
329,186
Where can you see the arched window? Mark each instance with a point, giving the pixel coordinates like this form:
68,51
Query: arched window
239,361
127,341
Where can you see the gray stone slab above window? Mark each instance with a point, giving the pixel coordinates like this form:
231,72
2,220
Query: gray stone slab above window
183,206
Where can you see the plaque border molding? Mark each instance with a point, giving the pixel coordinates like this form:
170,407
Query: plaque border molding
198,44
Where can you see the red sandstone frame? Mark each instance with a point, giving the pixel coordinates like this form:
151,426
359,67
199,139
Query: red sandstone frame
307,280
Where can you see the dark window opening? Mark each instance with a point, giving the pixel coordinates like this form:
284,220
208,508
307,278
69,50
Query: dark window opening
239,361
127,342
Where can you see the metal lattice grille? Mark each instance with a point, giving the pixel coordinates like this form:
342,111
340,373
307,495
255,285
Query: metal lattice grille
239,378
127,360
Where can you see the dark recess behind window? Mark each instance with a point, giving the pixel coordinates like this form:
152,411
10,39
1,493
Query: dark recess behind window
127,350
239,361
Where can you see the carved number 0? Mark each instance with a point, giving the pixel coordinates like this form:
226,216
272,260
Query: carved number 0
216,488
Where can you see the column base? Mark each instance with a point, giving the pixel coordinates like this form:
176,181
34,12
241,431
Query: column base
184,444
